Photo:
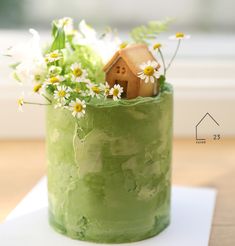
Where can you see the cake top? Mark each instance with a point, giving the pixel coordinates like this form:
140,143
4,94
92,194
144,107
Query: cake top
71,72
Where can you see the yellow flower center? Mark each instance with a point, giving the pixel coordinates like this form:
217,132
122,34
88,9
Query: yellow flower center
37,77
123,45
54,55
96,89
20,101
179,35
115,92
78,107
149,71
77,72
37,87
66,22
77,90
157,46
106,91
54,80
61,93
73,32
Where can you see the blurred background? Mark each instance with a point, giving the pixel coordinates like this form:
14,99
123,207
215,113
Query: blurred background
193,15
203,73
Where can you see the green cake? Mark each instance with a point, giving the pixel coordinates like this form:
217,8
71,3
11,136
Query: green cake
109,180
109,114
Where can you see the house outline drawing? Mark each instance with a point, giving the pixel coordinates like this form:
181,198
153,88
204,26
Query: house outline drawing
209,115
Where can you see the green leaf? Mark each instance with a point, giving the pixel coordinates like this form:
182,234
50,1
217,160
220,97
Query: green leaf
54,29
59,41
14,65
144,33
89,59
16,77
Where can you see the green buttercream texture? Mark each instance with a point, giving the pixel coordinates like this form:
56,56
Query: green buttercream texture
109,173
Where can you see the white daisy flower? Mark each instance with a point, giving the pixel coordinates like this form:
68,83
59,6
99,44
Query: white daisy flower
149,71
78,108
116,92
67,24
94,90
20,102
38,73
179,36
30,71
80,91
61,94
53,56
54,70
105,88
55,80
79,74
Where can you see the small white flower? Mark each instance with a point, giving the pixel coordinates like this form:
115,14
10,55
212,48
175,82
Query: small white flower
79,74
94,90
53,56
20,103
78,108
116,92
55,70
179,36
38,72
30,71
149,72
67,24
61,94
81,91
54,80
105,88
27,73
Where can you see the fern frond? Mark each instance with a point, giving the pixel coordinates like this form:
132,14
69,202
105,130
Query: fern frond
144,33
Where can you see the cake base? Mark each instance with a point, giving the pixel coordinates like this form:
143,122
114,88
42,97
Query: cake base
109,173
104,237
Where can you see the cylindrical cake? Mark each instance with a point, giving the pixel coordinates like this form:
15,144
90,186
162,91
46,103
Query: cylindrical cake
109,173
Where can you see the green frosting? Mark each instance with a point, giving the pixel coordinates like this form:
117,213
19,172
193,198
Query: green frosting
109,173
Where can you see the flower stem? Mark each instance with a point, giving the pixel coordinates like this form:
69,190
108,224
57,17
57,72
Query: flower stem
163,61
49,100
174,55
33,103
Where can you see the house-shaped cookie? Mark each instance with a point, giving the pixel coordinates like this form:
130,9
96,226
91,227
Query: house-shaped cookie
123,69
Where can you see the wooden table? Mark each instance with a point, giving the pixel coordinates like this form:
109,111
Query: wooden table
22,164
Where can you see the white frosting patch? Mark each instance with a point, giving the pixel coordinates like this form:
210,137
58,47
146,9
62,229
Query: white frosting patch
55,136
145,193
85,147
124,146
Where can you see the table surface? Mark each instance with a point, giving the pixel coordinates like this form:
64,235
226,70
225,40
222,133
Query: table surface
22,164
